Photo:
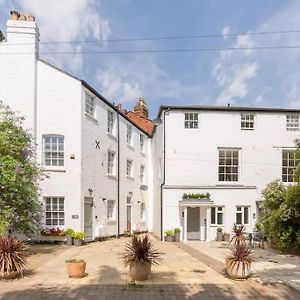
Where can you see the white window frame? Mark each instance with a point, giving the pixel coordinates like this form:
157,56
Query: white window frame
142,174
110,122
142,143
292,122
230,171
51,155
129,168
55,213
240,209
129,135
191,120
111,155
217,210
89,104
110,209
289,163
247,121
142,211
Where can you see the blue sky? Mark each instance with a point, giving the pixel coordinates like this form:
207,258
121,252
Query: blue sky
248,77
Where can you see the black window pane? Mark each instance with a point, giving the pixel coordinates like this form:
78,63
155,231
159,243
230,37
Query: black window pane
213,215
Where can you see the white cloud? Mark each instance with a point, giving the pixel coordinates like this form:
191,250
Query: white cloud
226,31
236,85
66,20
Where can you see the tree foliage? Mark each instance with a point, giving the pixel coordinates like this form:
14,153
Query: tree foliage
19,175
281,220
1,36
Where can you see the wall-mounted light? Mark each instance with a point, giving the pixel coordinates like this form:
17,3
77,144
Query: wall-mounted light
103,199
254,215
138,201
130,194
90,191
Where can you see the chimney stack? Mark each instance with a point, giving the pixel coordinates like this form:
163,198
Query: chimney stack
141,108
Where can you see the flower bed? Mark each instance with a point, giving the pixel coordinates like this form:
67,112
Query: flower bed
52,232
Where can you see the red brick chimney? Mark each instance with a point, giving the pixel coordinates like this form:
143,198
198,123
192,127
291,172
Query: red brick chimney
141,108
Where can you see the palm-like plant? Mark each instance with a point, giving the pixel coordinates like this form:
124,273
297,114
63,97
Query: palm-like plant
13,255
139,250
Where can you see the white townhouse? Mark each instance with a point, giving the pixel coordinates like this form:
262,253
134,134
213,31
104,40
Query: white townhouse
97,159
110,172
232,153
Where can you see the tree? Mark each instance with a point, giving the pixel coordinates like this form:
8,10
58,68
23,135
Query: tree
1,36
19,175
281,219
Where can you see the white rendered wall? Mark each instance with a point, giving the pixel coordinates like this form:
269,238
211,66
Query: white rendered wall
192,161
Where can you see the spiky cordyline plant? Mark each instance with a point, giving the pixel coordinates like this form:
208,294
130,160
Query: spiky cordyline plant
139,250
239,234
240,255
13,255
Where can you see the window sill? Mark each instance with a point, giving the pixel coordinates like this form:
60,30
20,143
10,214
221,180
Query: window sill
216,225
111,222
111,176
54,170
248,129
112,136
91,117
130,146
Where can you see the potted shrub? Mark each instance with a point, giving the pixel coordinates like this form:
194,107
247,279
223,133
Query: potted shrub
68,233
219,234
13,257
177,234
139,255
14,15
239,263
76,268
169,235
78,238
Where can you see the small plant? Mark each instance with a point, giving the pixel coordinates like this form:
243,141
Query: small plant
69,231
2,38
139,250
239,234
13,256
177,230
219,229
74,261
169,232
79,235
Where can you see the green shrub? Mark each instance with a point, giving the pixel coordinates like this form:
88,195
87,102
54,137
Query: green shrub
78,235
69,231
169,232
219,229
177,230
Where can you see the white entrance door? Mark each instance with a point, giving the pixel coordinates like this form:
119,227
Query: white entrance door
193,223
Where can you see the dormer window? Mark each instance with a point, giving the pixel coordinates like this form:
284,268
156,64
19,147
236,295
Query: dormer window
247,121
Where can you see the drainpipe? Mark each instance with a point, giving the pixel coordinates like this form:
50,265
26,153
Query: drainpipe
118,177
164,176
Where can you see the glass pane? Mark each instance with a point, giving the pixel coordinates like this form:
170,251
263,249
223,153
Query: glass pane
220,218
213,215
246,215
238,218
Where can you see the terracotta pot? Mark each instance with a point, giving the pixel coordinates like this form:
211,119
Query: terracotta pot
22,18
140,271
76,268
78,242
31,18
10,275
169,238
14,15
69,240
219,236
237,269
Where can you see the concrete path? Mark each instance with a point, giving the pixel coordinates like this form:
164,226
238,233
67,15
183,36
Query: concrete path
179,276
267,266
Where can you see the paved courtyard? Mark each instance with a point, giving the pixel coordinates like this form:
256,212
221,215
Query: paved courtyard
267,266
180,275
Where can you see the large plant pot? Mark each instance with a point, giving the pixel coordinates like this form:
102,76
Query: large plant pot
177,237
169,238
69,240
78,242
140,271
10,275
237,269
76,268
219,236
